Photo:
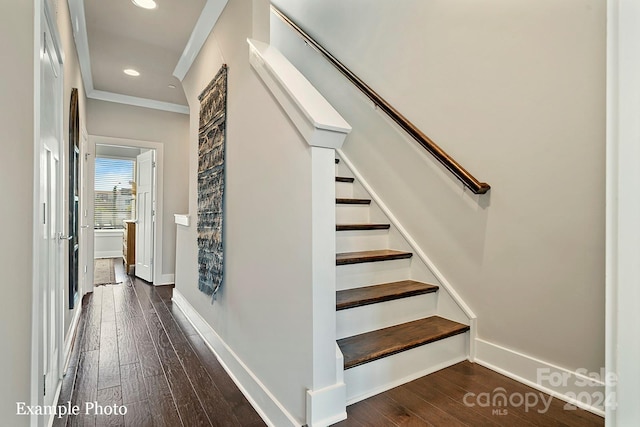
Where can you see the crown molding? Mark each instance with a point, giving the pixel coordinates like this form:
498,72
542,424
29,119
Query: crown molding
79,24
207,20
138,102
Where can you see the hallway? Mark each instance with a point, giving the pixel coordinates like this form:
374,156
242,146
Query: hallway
135,348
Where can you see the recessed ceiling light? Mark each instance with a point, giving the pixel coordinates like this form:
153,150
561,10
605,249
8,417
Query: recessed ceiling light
172,86
145,4
131,72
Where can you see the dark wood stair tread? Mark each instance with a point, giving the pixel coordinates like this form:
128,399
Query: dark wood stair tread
370,256
358,297
370,346
357,227
344,179
347,201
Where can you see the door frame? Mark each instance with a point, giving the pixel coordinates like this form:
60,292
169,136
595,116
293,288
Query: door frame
42,13
158,277
622,350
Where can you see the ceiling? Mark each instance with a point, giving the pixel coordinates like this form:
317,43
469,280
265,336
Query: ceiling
121,35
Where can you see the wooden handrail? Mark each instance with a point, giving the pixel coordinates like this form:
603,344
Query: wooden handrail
447,161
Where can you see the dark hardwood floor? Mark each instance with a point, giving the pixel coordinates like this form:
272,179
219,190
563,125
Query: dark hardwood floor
455,396
135,348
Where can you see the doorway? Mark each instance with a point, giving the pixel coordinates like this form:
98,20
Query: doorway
124,204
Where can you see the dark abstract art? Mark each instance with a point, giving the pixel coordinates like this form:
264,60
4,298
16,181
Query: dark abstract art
211,149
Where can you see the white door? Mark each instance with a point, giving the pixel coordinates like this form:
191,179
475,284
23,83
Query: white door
51,238
145,206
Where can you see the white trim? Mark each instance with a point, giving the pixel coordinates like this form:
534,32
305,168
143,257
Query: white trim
526,369
36,344
622,347
267,406
108,254
71,335
318,122
79,24
165,279
182,219
137,102
52,417
444,283
322,404
207,20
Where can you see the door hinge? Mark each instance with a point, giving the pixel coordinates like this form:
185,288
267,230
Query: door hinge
44,385
151,262
153,164
44,43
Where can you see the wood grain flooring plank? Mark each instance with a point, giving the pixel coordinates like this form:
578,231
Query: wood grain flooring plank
147,354
189,406
125,300
108,305
133,387
85,389
432,387
126,337
212,400
557,408
369,415
161,403
458,374
94,318
138,415
109,363
240,406
180,319
106,414
401,414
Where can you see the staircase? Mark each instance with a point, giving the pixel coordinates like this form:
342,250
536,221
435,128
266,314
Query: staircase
394,322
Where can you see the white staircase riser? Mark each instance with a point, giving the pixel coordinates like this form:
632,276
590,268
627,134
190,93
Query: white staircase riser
384,374
371,273
344,189
366,318
352,214
361,240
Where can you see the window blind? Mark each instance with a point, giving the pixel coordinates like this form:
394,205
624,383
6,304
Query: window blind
114,192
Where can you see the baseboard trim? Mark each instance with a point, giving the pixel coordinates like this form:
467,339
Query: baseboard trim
267,406
108,254
71,336
526,369
166,279
322,404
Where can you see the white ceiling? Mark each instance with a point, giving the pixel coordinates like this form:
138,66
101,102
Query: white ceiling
121,35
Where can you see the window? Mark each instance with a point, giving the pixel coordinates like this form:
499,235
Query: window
114,192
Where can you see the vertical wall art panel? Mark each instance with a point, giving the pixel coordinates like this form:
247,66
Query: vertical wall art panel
211,142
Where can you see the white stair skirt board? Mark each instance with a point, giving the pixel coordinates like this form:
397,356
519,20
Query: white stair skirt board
267,406
384,374
352,214
366,318
365,240
371,273
573,387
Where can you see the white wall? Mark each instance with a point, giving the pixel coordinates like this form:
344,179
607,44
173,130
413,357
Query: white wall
16,184
515,92
170,129
263,310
